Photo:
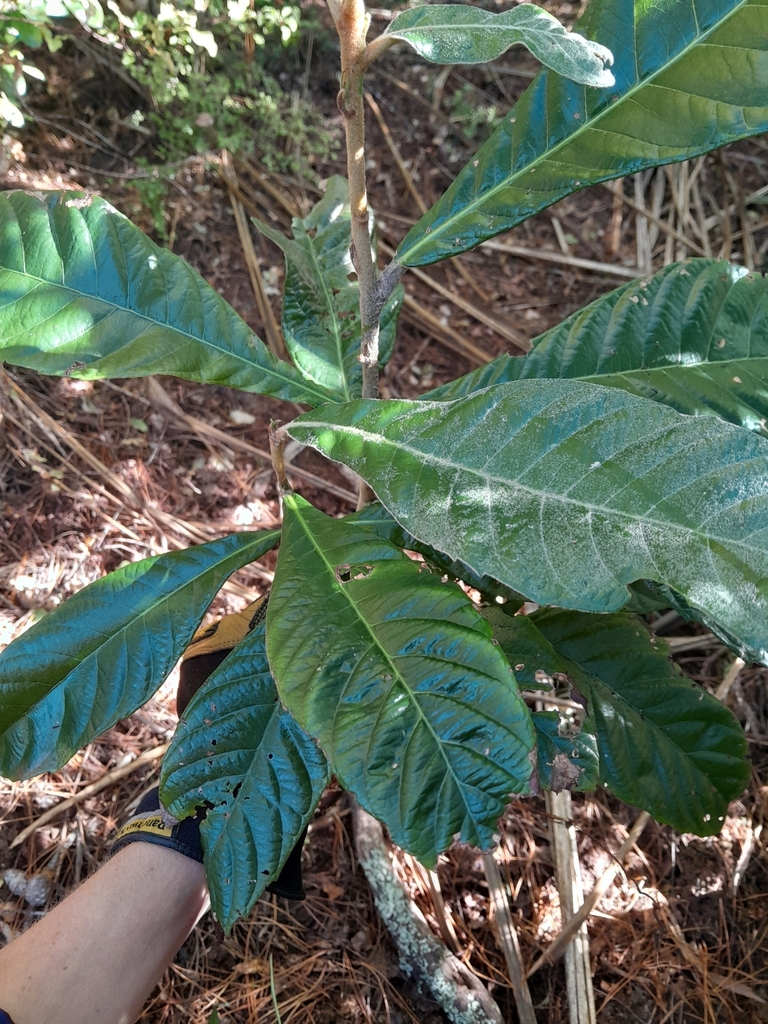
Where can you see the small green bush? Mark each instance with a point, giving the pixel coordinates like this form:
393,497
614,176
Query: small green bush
207,87
208,92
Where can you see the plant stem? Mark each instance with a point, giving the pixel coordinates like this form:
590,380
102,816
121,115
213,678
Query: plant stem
277,439
352,26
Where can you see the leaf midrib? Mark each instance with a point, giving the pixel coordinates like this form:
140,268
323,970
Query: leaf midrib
668,369
320,276
380,440
446,226
323,395
492,24
396,675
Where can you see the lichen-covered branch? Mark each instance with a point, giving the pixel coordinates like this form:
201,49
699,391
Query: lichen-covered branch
423,957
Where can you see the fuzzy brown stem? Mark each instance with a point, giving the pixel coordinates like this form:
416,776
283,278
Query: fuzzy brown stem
352,26
277,439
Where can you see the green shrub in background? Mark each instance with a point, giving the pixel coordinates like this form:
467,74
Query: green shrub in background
26,26
207,89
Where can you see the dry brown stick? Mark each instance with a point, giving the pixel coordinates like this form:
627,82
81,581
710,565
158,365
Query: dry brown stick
578,972
432,884
88,499
142,518
558,947
549,256
277,194
125,495
701,226
163,399
58,430
661,224
411,185
435,112
643,239
508,940
714,219
489,319
157,519
617,215
729,679
271,329
748,243
114,775
404,172
426,321
691,643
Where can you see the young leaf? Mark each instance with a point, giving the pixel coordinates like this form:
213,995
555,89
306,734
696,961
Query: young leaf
565,761
395,674
85,293
664,743
239,753
568,492
694,336
691,75
566,752
105,651
460,34
321,305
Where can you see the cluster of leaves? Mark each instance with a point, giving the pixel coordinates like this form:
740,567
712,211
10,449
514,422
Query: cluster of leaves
628,446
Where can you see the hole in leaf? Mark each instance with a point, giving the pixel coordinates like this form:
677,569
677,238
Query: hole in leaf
237,789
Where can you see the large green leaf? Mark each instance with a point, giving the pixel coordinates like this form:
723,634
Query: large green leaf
389,529
85,293
395,674
321,305
694,336
239,753
460,34
691,75
104,652
664,743
567,492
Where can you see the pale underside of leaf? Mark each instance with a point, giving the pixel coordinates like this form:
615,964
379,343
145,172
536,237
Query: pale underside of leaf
239,753
104,652
85,293
690,76
396,676
568,492
460,34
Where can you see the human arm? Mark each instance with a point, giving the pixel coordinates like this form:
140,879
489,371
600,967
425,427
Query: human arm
96,957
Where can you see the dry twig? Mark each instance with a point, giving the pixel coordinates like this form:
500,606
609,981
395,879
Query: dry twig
110,778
